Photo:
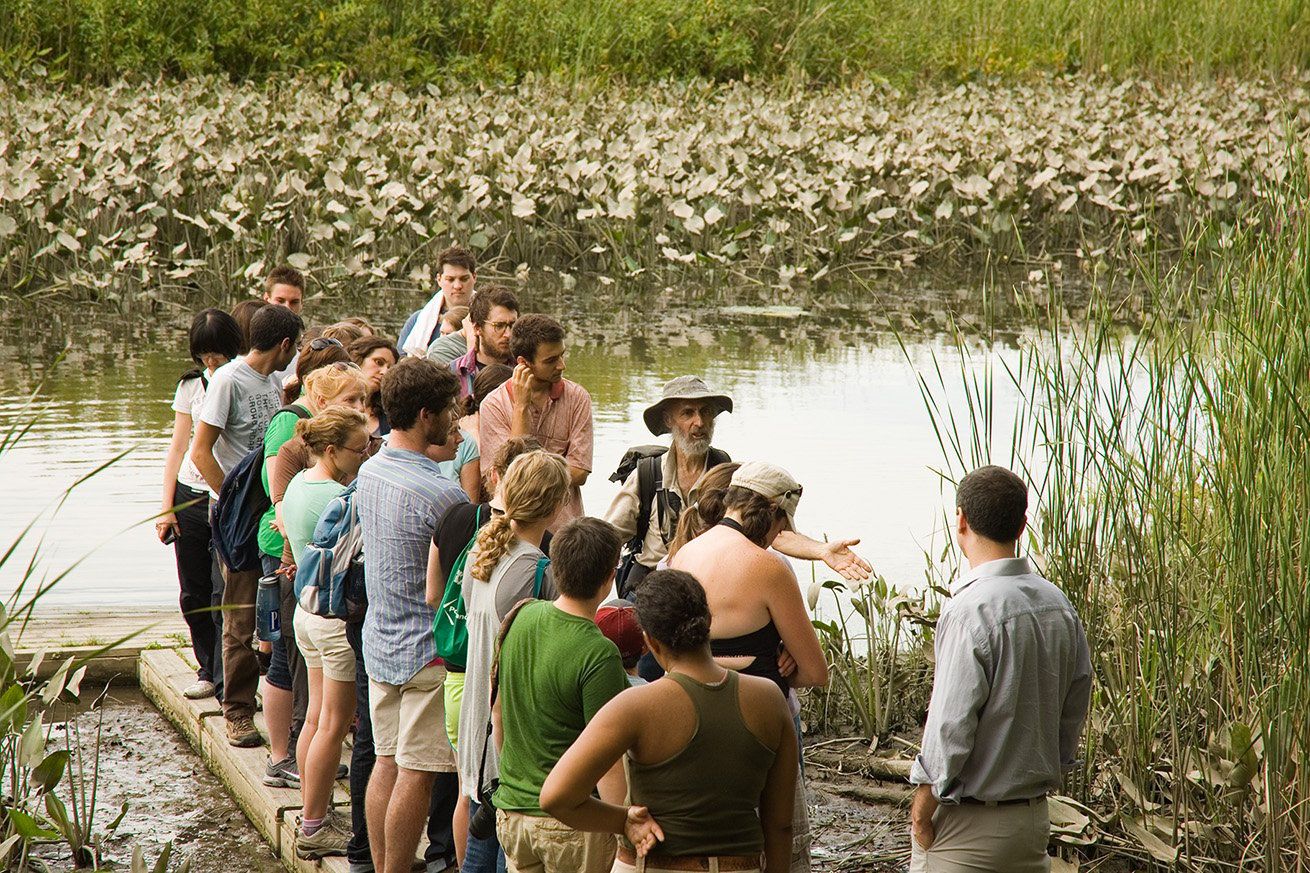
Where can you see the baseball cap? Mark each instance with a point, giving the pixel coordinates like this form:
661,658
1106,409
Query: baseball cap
617,620
772,482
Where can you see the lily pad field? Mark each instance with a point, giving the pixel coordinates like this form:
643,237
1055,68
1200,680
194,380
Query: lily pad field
133,191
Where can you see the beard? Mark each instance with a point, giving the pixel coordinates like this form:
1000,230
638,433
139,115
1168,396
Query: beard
689,447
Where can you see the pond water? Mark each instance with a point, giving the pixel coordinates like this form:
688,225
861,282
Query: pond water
832,395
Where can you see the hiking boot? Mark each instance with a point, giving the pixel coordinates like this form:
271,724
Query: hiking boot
330,839
199,690
282,774
242,733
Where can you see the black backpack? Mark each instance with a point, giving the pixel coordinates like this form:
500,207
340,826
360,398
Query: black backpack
646,460
241,504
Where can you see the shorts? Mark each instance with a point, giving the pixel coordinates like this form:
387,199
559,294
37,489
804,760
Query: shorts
454,700
323,645
405,718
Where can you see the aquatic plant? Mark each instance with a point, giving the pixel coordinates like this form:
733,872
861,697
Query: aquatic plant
1172,473
171,191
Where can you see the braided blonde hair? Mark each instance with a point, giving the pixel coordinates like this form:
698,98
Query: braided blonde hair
535,486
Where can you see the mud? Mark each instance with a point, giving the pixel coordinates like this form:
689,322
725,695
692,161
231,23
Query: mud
171,796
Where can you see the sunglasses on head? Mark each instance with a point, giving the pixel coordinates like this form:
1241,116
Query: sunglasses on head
324,342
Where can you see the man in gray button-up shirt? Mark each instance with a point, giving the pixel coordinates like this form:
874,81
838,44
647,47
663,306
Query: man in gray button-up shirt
1010,695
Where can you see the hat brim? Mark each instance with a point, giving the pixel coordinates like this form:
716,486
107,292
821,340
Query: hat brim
654,414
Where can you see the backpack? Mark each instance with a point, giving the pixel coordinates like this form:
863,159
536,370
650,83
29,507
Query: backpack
450,625
646,460
241,504
330,571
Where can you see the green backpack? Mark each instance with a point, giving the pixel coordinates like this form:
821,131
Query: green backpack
450,625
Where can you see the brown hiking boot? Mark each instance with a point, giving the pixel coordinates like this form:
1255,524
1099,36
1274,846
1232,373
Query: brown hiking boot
241,732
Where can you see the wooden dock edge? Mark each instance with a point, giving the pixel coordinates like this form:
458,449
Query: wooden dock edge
163,673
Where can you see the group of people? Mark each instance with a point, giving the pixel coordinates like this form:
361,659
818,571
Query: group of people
577,731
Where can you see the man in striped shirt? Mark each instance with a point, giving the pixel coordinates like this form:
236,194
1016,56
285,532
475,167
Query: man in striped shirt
400,495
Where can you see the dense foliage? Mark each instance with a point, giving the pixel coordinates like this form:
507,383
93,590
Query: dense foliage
123,192
419,40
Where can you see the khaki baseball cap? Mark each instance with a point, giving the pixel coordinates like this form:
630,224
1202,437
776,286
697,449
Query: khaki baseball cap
772,482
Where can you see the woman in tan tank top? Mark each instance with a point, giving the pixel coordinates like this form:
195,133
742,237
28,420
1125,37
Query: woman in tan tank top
710,754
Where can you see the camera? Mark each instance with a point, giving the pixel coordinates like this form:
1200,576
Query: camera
170,536
482,826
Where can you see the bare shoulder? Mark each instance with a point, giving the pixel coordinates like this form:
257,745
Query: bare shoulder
764,707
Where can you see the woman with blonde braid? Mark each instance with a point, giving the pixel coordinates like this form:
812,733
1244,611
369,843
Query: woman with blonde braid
505,566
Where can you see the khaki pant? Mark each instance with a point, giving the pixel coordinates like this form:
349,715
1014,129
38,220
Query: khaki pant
642,867
981,839
800,829
240,667
541,844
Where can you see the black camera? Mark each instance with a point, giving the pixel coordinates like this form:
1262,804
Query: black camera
170,536
482,826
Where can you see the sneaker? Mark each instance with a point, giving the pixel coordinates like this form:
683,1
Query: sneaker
342,772
199,690
282,774
330,839
242,733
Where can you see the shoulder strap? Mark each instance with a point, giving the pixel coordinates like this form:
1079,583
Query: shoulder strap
542,563
295,408
716,457
649,476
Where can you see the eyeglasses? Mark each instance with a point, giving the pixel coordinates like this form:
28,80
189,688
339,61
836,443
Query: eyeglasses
344,366
798,490
359,451
499,326
324,342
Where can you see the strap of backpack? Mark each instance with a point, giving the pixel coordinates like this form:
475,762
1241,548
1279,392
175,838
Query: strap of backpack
542,564
495,676
649,475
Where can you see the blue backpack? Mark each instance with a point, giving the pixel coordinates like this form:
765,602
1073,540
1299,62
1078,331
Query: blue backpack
330,570
241,505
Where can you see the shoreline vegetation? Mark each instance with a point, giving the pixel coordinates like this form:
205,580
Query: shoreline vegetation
896,41
163,192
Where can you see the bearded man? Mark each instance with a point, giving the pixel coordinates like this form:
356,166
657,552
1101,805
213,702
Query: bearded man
687,410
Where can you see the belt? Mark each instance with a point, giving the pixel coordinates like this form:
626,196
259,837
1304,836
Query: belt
1016,801
691,862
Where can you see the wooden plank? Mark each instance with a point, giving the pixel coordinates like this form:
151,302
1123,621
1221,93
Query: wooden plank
272,811
59,636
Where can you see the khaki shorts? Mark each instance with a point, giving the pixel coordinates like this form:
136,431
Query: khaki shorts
407,722
323,645
539,842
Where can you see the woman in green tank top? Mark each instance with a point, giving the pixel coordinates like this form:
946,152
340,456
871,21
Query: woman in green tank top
704,749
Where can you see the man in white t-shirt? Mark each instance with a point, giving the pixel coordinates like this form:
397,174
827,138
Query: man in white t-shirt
241,399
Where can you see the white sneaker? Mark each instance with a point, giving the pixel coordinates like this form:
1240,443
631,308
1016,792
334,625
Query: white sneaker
199,690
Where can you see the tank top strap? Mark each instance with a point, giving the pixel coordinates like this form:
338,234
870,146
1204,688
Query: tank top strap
716,705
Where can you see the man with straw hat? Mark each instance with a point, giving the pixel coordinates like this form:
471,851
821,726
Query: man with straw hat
658,482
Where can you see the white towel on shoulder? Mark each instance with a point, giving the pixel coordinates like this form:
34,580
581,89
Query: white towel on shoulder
416,342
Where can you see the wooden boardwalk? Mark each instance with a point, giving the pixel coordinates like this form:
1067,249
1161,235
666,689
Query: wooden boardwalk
163,674
58,636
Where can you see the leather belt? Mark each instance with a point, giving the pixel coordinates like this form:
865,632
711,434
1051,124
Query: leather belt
1027,801
691,862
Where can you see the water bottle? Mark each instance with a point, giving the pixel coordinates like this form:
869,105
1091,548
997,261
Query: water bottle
268,602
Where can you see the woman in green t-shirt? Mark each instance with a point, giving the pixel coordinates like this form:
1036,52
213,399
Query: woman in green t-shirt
337,437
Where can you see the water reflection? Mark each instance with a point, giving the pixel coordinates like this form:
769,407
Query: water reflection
830,396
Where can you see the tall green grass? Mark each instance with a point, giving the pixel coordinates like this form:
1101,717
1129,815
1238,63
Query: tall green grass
900,40
1172,471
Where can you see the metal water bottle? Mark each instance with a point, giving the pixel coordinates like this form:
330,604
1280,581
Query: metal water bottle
268,602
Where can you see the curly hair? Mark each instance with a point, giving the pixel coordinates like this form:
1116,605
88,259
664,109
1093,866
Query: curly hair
672,609
535,486
330,382
708,509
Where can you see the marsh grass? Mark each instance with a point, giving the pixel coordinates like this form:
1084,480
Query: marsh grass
1171,467
828,40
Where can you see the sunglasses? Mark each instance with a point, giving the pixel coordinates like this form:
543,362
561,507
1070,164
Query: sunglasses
324,342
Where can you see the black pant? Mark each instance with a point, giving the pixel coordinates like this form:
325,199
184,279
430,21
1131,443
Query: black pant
195,576
445,790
